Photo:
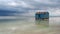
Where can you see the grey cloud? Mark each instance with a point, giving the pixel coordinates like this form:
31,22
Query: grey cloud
39,5
56,1
31,3
26,5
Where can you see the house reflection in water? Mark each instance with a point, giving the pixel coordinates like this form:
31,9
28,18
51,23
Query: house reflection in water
42,23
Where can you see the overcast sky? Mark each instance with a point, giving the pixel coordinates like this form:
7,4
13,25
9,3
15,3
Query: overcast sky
52,6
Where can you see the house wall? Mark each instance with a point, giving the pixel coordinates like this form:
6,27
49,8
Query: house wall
42,15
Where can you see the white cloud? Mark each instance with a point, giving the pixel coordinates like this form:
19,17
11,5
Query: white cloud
54,11
12,4
25,5
45,1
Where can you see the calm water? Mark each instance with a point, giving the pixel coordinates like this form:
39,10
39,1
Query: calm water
28,25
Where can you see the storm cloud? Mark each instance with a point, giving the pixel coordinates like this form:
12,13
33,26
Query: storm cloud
26,5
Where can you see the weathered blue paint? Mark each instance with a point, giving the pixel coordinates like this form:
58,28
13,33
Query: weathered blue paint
44,15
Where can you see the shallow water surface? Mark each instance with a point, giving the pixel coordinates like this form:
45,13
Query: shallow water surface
30,26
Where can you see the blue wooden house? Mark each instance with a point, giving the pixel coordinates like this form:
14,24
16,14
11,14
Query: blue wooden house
42,15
